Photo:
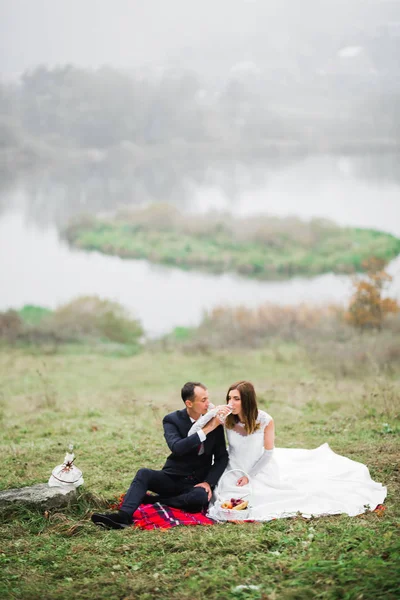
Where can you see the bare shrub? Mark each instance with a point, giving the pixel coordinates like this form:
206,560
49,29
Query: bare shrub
270,230
11,326
91,317
276,231
321,330
160,216
241,326
84,319
75,225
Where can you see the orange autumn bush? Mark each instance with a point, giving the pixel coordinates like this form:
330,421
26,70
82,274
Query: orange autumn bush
368,308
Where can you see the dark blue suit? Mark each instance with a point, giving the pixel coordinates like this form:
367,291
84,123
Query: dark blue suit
184,467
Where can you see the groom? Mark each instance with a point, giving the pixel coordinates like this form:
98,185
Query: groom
192,469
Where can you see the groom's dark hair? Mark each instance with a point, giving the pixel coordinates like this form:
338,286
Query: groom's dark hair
187,392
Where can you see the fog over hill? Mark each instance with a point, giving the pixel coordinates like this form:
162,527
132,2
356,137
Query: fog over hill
208,36
142,80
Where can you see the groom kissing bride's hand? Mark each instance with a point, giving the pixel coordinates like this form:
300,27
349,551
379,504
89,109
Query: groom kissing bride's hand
190,472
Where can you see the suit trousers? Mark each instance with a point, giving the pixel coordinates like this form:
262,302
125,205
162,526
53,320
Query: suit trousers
173,490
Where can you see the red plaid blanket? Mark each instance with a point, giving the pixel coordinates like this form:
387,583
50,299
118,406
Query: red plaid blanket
159,516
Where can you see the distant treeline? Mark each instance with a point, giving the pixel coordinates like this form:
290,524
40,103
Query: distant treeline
54,114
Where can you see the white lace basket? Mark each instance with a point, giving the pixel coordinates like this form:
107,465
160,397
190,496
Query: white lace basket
228,514
66,475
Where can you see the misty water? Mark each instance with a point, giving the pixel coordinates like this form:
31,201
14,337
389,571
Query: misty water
38,267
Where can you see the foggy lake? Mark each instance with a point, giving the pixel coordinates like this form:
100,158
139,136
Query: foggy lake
38,267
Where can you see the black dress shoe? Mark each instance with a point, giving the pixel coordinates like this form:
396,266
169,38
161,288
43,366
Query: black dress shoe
119,520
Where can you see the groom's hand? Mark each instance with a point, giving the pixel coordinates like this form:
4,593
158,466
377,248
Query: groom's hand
206,486
211,425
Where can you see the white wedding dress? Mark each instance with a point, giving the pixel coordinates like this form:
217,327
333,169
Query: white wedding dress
310,482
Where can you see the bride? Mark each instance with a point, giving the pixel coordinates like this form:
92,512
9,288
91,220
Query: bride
281,482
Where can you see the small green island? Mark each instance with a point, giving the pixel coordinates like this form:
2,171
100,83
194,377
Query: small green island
263,247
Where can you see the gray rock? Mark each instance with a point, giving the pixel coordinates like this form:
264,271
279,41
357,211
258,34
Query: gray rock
37,496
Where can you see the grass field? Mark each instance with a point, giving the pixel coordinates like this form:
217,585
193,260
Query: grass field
111,409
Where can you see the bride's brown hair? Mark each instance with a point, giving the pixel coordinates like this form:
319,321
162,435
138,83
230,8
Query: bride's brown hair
249,407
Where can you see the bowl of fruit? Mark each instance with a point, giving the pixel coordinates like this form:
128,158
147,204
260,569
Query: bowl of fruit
235,504
235,509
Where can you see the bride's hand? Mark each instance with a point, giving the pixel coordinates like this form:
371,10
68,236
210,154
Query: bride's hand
222,411
242,481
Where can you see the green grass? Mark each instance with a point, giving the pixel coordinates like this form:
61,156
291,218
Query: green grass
33,315
111,408
309,251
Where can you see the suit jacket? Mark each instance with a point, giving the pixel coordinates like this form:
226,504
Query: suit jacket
184,459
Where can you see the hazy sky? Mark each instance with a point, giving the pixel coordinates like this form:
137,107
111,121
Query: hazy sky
134,32
119,32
